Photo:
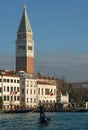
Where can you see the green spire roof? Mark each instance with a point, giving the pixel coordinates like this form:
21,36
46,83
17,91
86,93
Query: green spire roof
24,24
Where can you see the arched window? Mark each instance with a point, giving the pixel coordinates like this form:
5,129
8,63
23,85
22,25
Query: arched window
42,91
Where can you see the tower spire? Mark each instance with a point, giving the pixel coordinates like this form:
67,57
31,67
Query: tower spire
24,24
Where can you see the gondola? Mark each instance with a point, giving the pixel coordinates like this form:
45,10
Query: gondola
19,111
44,119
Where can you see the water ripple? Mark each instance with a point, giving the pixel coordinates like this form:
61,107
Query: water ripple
30,121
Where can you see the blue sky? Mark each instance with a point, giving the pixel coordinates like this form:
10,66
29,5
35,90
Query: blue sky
57,25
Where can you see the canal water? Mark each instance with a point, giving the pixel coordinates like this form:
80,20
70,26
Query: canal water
30,121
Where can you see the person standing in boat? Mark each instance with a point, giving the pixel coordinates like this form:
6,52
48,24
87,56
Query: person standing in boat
41,109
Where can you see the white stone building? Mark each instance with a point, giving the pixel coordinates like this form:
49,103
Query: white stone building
46,91
23,90
28,91
34,91
9,90
63,99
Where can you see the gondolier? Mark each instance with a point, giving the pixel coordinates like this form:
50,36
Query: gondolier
41,109
43,118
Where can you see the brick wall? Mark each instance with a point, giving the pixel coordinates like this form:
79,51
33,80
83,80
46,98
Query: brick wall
25,64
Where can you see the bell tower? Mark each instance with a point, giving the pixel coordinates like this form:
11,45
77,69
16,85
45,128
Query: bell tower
25,45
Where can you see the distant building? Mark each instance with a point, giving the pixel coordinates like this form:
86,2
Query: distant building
63,99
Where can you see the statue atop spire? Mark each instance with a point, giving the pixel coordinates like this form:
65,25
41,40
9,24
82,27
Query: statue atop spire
24,6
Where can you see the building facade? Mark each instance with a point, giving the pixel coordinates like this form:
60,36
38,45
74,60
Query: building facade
46,91
35,91
28,90
63,99
9,90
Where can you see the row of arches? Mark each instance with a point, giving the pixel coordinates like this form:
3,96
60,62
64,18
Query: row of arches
47,102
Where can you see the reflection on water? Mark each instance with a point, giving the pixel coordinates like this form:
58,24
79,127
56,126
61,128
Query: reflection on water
30,121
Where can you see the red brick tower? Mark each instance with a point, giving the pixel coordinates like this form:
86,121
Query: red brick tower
25,46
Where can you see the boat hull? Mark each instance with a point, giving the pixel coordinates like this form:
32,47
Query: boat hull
19,111
44,120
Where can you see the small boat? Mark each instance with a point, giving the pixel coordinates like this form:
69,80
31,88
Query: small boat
81,110
19,111
44,119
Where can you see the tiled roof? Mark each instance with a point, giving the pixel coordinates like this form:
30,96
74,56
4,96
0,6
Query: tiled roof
24,24
7,73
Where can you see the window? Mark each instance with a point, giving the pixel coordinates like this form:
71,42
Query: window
14,80
4,80
34,100
4,98
11,98
46,91
31,100
0,89
31,91
7,88
17,81
42,91
18,98
31,83
29,47
14,98
54,91
8,80
21,47
39,91
11,80
11,88
7,98
14,88
17,89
